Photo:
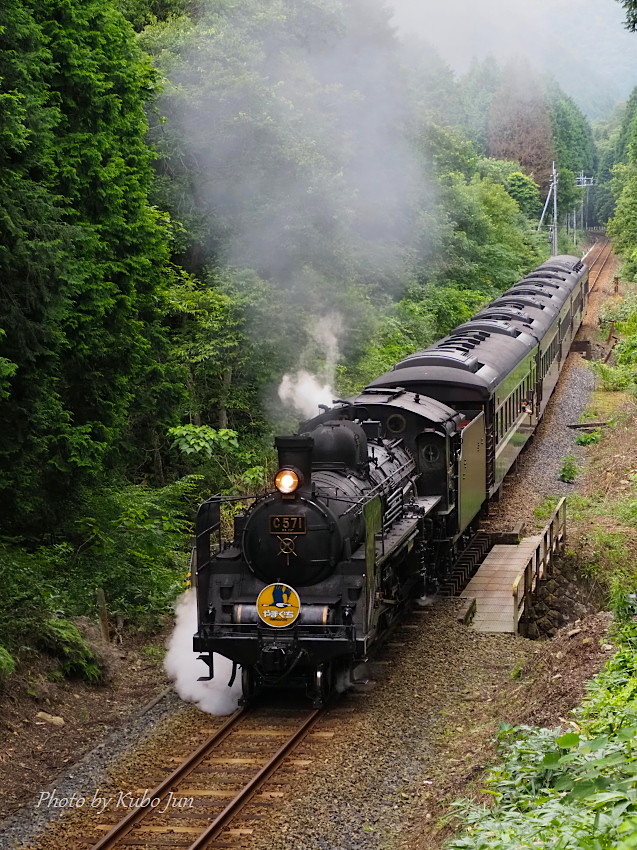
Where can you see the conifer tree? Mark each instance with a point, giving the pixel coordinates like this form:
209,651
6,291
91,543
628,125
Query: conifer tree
82,253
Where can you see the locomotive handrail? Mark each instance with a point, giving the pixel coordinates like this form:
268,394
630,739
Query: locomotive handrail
380,486
539,562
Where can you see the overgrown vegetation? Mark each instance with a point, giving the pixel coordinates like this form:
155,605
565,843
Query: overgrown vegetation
131,543
63,640
568,790
589,438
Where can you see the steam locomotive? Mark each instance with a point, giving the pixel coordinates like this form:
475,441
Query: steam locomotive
375,497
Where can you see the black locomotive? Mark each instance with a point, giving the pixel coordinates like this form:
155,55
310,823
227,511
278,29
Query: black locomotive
375,496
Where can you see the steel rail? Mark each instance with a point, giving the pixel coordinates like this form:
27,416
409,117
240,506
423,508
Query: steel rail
121,829
601,244
602,265
244,796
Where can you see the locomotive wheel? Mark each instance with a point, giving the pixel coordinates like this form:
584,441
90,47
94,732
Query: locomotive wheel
323,684
250,685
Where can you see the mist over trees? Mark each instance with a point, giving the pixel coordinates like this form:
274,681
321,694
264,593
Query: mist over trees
631,14
619,198
581,43
199,198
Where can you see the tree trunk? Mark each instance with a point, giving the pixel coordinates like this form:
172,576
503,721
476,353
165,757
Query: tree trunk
223,410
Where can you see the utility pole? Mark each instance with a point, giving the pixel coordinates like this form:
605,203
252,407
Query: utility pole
554,211
584,182
552,194
546,206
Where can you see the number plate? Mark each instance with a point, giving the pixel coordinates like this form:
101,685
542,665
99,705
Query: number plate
286,525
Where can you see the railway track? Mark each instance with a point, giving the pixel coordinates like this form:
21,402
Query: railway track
194,807
598,263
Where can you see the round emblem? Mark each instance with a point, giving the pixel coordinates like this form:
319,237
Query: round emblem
278,605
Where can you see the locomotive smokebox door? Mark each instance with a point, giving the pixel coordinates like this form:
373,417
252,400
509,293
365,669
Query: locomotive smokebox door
295,454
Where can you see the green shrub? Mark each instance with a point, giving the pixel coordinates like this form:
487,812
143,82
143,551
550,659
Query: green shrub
554,790
569,470
619,311
573,790
7,664
132,544
27,597
590,438
63,640
613,378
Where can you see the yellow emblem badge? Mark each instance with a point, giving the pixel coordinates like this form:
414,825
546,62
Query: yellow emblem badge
278,605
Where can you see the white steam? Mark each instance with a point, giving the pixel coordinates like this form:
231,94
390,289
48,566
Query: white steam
303,391
184,668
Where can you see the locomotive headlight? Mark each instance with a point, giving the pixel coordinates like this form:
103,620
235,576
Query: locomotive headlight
286,481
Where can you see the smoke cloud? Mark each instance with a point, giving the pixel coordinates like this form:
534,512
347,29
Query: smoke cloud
298,158
304,393
184,668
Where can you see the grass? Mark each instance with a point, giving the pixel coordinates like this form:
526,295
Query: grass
153,652
545,509
604,406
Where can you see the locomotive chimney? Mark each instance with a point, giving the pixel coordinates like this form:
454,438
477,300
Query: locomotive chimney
295,452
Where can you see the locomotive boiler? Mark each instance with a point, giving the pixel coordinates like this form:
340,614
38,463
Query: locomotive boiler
375,497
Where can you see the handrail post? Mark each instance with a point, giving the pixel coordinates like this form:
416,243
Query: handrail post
539,565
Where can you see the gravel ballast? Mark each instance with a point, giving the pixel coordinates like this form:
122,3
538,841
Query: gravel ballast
86,776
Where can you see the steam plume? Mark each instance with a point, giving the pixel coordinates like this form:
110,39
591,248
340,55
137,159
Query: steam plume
303,391
184,668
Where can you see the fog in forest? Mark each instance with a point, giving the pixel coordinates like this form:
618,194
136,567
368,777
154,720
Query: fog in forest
583,43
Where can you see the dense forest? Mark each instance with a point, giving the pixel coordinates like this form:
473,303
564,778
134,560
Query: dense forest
207,205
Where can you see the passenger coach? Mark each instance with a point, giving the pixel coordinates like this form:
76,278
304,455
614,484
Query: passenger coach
504,363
